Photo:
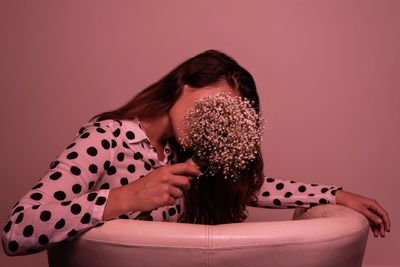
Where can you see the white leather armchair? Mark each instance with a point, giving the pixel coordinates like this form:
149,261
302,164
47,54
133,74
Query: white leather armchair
324,235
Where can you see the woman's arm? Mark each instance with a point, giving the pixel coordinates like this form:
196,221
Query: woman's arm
60,205
279,194
378,217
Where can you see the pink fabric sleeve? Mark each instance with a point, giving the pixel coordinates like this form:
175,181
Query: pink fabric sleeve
61,205
279,194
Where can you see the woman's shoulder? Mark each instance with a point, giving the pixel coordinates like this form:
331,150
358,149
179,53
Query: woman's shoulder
129,129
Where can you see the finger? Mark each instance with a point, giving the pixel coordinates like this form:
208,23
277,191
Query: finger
175,192
372,216
375,219
376,208
180,181
373,228
171,201
184,168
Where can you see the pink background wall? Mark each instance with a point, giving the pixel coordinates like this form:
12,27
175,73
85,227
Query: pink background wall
327,72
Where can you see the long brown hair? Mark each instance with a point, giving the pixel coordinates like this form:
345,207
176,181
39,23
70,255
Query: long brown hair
211,199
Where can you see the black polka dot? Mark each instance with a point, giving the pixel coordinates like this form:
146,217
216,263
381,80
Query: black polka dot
76,208
124,181
106,165
36,196
45,215
130,135
270,180
323,201
105,186
333,192
97,124
147,166
120,156
43,240
111,171
302,188
35,207
75,170
137,156
72,155
288,194
324,189
19,218
91,184
116,133
152,162
171,211
313,204
28,231
54,164
298,202
76,188
178,208
113,143
93,168
280,186
105,144
314,184
266,194
60,224
39,185
164,215
92,151
71,146
292,182
18,209
60,195
72,233
55,176
125,145
100,201
131,168
66,203
8,226
311,195
86,218
13,245
85,135
91,196
81,130
277,202
100,130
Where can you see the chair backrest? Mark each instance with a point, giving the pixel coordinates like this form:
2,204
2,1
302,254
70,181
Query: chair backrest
325,235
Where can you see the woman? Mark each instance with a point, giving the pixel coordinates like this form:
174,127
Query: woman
128,164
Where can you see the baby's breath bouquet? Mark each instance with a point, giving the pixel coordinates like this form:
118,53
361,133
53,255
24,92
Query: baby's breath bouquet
223,131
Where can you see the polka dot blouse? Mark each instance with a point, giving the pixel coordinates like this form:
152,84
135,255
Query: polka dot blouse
70,198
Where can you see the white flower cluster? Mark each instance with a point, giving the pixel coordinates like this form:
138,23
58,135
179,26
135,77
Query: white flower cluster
224,132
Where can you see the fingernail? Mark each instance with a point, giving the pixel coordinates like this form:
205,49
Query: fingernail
379,221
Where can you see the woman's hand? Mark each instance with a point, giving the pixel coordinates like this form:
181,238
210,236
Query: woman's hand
160,187
370,208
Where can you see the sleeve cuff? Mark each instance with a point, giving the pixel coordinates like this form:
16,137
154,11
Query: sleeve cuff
332,194
99,205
